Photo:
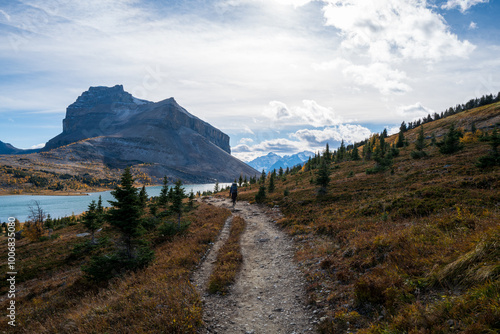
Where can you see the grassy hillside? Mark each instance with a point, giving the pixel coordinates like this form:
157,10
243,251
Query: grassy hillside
53,296
414,249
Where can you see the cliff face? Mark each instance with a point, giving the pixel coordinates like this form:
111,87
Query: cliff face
110,126
110,111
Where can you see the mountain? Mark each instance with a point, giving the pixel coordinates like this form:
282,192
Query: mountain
6,148
108,127
110,111
273,161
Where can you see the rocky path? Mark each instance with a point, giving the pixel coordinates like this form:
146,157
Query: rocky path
268,295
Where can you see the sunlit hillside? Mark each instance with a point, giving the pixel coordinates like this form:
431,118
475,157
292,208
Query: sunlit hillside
412,249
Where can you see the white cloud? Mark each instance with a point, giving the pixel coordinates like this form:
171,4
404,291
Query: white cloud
7,16
335,64
349,133
394,29
246,129
303,140
472,25
462,4
414,111
380,76
246,140
392,130
310,113
278,146
37,146
277,111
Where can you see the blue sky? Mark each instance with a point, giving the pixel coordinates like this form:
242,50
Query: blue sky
275,75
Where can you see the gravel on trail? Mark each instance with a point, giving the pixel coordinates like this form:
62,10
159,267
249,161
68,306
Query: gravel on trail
268,295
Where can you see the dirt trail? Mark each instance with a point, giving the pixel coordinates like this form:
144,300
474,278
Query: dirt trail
268,295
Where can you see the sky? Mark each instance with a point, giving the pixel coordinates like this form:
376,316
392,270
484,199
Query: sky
278,76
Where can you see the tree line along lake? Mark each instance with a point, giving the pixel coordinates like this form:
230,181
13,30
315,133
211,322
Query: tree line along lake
17,206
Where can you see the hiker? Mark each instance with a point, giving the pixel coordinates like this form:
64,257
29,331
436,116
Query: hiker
233,192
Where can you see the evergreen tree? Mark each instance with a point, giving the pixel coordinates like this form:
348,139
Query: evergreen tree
493,158
170,194
245,181
143,198
216,187
341,152
355,154
163,198
191,199
271,185
126,211
419,145
403,127
433,139
177,206
382,143
328,154
451,142
280,172
261,195
367,150
323,177
383,159
240,180
401,140
263,177
93,219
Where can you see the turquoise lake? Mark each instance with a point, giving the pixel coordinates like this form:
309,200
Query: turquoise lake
17,206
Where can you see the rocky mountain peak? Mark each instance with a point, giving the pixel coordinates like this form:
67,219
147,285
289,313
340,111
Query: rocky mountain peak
111,111
102,95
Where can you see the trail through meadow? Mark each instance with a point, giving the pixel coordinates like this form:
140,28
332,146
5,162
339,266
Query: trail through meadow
268,295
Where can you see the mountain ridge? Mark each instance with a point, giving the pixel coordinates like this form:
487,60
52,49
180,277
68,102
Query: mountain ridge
106,127
274,161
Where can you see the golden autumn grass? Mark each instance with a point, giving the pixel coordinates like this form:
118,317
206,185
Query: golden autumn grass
412,250
229,259
157,299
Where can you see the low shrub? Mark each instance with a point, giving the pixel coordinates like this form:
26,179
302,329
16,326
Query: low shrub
228,260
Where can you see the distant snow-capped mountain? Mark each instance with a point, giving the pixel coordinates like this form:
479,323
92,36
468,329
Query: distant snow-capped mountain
274,161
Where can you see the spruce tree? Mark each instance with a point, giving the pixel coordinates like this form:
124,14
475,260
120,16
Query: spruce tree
177,206
355,154
493,158
125,213
163,198
271,185
419,145
191,199
93,219
328,154
143,197
451,142
240,180
261,195
401,140
263,177
323,177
